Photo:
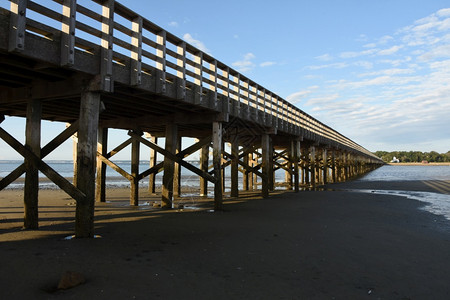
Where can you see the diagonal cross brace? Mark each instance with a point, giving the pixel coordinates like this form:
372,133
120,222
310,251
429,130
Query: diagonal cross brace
173,157
52,145
60,181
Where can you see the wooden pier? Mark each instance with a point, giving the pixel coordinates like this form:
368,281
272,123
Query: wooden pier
105,66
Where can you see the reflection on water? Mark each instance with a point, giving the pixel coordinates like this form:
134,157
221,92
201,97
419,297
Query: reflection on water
438,204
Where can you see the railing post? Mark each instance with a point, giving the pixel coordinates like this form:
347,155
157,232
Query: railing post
136,51
106,64
213,86
198,80
68,33
181,71
17,25
161,62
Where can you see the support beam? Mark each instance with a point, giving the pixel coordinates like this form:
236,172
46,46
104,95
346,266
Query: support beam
296,158
266,158
325,166
134,192
177,172
33,143
245,175
102,148
86,162
217,161
169,166
312,166
204,155
153,161
235,167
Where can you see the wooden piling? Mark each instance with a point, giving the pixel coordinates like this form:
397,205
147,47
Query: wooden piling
235,167
217,162
266,158
102,144
204,157
134,182
153,161
33,142
169,166
86,162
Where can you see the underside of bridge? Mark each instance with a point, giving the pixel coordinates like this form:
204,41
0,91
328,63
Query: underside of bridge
48,75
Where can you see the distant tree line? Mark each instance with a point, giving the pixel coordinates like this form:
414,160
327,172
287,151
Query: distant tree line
414,156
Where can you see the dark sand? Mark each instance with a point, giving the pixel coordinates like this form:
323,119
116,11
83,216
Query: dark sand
309,245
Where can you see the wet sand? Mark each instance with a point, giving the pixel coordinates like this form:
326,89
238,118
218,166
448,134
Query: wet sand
308,245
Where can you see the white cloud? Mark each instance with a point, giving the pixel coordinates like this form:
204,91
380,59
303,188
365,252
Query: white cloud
390,51
445,12
324,57
339,65
246,64
267,64
196,43
173,24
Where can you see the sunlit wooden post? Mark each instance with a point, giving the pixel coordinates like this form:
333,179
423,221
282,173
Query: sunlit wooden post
86,162
102,144
217,162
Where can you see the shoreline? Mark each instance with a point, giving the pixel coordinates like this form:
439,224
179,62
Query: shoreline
307,245
419,164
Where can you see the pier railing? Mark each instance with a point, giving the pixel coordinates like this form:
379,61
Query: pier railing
125,40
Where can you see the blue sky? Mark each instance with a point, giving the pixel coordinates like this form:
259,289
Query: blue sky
376,71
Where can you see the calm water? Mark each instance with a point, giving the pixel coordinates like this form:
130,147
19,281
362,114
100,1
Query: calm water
427,172
435,203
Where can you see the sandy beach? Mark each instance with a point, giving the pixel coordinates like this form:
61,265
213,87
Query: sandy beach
331,244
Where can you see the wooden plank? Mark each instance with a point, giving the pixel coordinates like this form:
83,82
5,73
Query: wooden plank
33,143
169,167
217,160
68,32
134,191
102,147
86,162
17,25
136,52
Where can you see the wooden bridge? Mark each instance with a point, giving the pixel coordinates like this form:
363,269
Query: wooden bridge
102,66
